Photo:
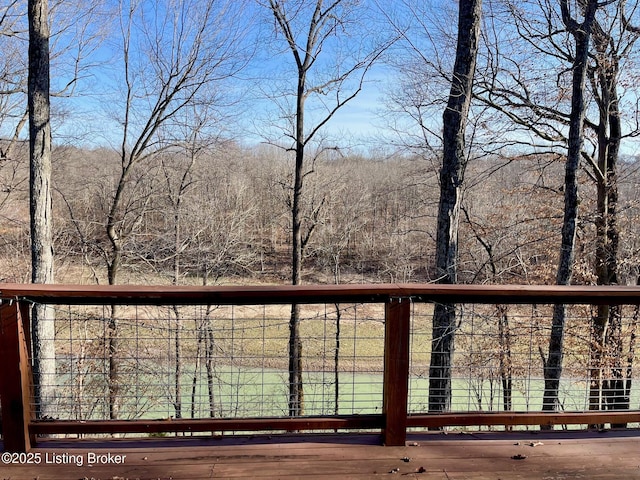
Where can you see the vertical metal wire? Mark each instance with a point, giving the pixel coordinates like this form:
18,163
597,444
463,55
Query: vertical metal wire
353,367
324,385
263,336
532,326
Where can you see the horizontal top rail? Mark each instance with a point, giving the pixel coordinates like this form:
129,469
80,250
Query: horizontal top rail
287,294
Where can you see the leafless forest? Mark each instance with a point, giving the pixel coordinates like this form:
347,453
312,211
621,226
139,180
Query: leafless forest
211,142
161,178
374,219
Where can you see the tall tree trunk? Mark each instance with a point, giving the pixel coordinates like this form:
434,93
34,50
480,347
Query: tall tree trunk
209,363
505,357
336,362
43,317
296,386
113,269
607,386
582,34
197,366
113,345
177,404
451,183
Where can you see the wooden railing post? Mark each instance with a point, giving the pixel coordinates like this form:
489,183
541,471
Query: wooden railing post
396,371
15,378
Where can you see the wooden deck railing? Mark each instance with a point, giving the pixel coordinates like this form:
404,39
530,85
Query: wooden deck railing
20,427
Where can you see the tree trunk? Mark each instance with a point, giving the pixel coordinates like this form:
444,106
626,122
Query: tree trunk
114,370
336,362
582,34
296,391
43,317
451,183
197,366
209,364
177,404
505,360
607,386
113,346
296,386
113,268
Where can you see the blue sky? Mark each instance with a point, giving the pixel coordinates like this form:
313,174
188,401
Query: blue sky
88,117
92,110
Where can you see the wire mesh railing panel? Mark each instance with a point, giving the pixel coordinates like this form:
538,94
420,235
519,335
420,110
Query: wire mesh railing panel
150,362
500,353
233,361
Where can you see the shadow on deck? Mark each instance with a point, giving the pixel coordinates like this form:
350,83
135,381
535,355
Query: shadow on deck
517,455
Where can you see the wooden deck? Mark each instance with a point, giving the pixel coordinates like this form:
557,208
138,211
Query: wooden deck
553,455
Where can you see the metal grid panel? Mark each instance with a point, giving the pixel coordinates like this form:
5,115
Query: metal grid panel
215,361
233,360
500,349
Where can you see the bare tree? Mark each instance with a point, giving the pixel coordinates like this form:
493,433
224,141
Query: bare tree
454,161
176,194
66,50
606,326
505,339
581,32
43,328
168,64
307,27
613,39
207,234
545,112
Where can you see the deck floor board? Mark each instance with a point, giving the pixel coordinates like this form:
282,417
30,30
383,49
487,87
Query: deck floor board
552,455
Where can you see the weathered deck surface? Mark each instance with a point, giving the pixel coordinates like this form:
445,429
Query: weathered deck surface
556,455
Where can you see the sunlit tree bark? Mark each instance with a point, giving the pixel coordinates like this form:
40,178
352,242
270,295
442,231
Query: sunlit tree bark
42,316
454,161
